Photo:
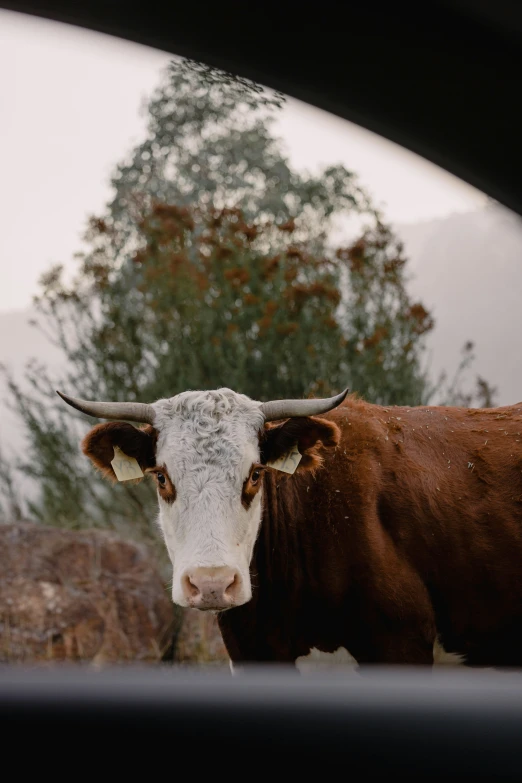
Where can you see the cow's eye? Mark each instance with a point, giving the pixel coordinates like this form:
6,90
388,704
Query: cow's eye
256,475
161,479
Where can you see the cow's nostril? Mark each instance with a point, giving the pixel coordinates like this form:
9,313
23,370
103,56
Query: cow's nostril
232,587
191,589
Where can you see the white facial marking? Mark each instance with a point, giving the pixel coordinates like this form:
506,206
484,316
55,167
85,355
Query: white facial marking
208,441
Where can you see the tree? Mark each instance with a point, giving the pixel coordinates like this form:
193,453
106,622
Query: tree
212,266
482,395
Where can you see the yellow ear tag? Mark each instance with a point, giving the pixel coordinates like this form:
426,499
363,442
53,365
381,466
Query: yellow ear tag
126,468
288,462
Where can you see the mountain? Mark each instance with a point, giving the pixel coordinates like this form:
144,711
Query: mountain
467,268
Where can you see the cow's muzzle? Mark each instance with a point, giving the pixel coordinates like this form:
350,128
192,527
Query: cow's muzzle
213,588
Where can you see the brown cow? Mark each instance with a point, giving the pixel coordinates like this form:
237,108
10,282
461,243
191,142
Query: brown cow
401,528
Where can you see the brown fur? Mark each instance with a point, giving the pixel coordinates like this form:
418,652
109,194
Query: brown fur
309,433
412,529
99,444
252,487
167,491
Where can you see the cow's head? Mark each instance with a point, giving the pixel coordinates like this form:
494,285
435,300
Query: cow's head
207,452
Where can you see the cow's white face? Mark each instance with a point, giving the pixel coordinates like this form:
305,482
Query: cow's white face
203,450
209,487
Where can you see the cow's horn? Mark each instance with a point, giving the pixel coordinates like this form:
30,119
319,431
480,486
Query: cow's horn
128,411
286,409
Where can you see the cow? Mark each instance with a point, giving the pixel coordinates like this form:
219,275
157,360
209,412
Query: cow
334,523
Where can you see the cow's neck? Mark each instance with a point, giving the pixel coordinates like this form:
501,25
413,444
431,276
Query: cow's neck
289,571
297,539
281,537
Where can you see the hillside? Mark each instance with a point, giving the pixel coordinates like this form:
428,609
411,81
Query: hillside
468,269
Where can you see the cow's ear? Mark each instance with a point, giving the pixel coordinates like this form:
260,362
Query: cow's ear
310,434
99,445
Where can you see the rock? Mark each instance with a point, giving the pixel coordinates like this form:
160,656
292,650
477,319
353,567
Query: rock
199,640
79,596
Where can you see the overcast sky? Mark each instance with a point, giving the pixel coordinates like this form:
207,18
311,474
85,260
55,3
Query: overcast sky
69,110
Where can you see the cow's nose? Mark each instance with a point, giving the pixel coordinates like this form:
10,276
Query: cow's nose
211,588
